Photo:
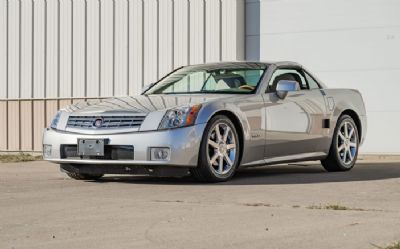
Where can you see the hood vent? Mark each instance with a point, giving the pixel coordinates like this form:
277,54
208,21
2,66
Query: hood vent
105,122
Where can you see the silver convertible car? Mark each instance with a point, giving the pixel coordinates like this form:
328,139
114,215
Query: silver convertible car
210,120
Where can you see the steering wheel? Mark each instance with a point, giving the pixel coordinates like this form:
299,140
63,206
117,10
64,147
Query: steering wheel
247,87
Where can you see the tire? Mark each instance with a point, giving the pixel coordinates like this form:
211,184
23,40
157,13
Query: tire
344,148
78,176
215,148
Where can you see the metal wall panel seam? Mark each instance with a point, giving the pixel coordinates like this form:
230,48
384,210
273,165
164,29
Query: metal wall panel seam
128,46
158,40
188,34
7,49
45,58
33,75
85,56
113,50
58,48
19,126
99,90
72,48
7,128
7,75
19,75
45,112
188,39
19,48
32,127
142,83
173,35
45,49
204,30
220,30
33,50
244,30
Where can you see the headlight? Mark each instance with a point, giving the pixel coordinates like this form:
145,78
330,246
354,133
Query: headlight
55,120
180,117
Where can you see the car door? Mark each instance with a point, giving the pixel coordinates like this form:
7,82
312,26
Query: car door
294,125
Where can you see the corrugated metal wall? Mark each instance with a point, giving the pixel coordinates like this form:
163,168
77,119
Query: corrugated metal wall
22,122
54,52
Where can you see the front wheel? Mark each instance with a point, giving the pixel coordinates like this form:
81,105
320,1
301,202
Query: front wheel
344,149
219,151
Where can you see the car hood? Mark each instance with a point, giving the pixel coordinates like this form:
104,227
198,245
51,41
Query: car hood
140,103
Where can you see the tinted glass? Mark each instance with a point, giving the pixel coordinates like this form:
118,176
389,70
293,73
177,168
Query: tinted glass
229,78
311,82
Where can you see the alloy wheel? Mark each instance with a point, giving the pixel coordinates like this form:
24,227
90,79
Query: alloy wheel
222,148
347,143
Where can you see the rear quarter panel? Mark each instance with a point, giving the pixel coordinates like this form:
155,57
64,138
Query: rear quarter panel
340,100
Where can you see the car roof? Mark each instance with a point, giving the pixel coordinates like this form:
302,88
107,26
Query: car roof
249,62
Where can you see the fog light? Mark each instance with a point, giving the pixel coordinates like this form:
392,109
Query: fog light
46,150
159,154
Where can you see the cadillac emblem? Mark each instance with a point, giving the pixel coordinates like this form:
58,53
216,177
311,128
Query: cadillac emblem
98,122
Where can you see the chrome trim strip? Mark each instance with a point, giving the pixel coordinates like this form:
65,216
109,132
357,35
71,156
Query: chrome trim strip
295,157
284,159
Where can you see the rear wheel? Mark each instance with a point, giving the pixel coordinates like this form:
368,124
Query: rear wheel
219,151
344,149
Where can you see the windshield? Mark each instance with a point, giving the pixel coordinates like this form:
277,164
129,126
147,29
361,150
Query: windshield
217,78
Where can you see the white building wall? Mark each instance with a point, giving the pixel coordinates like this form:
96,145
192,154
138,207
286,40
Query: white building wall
349,44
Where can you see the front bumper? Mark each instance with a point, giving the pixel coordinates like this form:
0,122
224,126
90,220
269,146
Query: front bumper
184,144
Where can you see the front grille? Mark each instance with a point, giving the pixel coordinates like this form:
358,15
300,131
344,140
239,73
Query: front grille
107,122
111,152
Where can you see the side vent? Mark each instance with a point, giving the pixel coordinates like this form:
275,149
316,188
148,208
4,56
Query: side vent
326,123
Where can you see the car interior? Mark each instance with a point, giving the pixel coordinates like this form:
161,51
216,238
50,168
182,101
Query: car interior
227,81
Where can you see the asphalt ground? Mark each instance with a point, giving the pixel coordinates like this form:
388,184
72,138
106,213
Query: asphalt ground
286,206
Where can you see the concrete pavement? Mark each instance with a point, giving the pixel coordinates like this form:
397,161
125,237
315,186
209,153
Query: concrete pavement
270,207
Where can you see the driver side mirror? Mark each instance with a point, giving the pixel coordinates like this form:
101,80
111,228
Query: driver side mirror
285,86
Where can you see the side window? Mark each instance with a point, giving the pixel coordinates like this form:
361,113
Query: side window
311,82
286,74
242,80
